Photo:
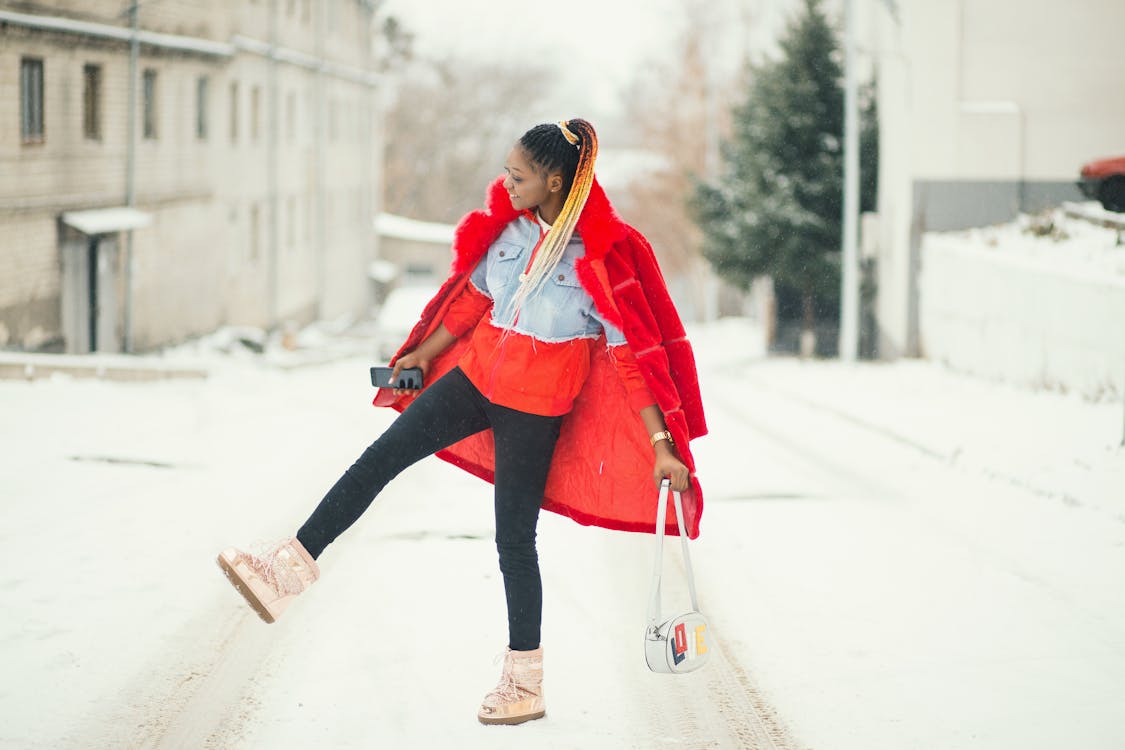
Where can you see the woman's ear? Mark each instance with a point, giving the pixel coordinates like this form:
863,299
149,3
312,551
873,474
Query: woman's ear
555,182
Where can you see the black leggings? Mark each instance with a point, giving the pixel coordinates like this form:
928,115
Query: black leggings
447,411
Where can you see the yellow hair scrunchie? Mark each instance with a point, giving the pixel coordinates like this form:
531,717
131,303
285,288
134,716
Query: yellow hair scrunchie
571,138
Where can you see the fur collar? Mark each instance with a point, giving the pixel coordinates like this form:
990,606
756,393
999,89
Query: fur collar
599,226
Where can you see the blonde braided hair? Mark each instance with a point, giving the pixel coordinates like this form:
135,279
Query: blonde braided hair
553,147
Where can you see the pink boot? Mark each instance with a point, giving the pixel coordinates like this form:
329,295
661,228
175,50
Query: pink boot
271,580
518,697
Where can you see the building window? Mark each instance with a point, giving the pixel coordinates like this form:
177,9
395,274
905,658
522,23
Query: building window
201,85
234,113
31,100
92,101
148,82
255,97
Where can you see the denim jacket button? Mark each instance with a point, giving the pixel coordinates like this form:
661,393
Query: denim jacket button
562,277
501,253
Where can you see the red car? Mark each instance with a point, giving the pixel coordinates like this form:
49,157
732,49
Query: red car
1104,180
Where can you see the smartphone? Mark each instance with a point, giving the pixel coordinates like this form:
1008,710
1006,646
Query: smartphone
410,378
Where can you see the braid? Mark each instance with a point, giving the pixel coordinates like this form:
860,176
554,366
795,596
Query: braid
550,151
549,147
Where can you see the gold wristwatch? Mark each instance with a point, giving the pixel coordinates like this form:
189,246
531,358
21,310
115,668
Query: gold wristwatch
658,436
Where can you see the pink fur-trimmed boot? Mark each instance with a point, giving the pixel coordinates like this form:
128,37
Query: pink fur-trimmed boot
518,697
270,580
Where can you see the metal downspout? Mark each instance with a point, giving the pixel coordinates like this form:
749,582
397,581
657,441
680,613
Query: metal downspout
131,177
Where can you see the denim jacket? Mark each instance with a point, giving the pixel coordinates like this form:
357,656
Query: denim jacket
561,311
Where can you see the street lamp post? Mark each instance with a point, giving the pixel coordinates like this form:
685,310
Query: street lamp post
849,277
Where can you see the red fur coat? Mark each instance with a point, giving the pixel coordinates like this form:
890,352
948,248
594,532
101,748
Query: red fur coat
601,473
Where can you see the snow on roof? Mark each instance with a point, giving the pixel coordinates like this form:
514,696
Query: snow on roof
106,220
402,228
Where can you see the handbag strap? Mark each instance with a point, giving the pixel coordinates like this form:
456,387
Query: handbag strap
661,515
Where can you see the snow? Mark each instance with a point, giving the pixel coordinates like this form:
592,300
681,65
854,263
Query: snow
892,556
103,220
1036,302
1065,244
402,227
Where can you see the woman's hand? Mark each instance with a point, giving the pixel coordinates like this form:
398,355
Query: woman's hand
668,464
437,343
406,361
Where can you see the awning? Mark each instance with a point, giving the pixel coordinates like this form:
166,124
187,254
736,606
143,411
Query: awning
106,220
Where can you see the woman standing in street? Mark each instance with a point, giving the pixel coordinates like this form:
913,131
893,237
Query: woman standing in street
556,368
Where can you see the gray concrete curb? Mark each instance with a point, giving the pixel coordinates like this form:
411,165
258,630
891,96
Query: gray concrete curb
20,366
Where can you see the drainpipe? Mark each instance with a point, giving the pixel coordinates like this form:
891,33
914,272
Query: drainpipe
319,149
272,156
131,178
371,150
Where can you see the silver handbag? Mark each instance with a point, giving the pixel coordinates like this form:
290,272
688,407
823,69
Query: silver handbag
678,644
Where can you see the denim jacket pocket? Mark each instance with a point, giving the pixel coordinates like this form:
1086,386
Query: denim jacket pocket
566,276
503,270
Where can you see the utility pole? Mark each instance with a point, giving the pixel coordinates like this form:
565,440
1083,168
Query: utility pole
131,175
849,277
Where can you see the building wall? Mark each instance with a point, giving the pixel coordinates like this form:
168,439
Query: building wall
1009,319
266,218
987,109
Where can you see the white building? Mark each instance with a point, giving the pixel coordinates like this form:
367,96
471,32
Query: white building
253,167
987,108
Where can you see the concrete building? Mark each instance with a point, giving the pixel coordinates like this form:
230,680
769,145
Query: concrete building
986,109
242,194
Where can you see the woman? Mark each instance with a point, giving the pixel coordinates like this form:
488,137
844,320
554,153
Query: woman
553,333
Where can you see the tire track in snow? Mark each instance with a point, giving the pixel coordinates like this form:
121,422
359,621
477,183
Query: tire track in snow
210,707
198,693
715,708
718,707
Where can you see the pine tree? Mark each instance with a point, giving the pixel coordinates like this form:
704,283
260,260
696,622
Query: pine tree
776,210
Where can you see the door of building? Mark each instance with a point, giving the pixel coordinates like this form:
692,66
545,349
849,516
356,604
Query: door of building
90,297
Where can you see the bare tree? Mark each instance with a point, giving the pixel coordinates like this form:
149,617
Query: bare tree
679,110
448,131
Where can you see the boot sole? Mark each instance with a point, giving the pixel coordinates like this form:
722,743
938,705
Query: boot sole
510,720
247,593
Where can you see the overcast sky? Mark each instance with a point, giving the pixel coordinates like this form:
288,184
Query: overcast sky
597,46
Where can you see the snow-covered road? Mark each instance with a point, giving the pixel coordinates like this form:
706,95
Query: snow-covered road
866,591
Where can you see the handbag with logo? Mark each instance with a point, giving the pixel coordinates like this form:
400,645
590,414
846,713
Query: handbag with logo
678,644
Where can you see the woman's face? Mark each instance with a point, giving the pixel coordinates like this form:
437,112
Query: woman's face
527,186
